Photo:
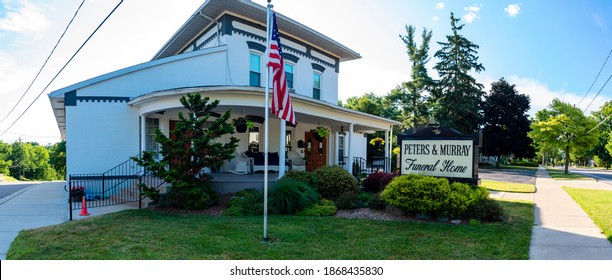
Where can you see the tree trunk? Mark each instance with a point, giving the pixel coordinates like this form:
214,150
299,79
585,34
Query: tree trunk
497,161
567,156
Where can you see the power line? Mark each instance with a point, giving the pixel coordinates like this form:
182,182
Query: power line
44,64
602,87
600,123
30,136
602,67
64,67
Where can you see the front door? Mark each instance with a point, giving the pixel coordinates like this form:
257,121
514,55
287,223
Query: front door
315,151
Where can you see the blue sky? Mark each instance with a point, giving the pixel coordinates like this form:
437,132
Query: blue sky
547,48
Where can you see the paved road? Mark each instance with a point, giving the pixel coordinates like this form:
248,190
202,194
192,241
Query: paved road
8,189
604,176
508,175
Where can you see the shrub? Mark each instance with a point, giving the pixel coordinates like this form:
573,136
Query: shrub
347,200
363,199
487,210
193,196
431,196
303,176
290,196
376,203
324,208
372,183
387,179
524,163
247,202
334,180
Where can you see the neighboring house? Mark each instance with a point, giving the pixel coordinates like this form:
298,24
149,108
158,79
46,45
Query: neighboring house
219,53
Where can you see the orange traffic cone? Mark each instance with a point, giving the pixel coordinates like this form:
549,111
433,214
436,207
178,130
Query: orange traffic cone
84,208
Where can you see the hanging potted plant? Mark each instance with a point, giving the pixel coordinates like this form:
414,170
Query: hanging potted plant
377,141
320,133
242,124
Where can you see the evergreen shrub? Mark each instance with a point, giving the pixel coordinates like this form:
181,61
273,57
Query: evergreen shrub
303,176
431,196
333,180
325,207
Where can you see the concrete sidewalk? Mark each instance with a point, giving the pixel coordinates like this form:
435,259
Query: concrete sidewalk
562,230
38,206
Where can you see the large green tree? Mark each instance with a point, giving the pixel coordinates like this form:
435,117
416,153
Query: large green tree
457,95
565,127
5,154
411,96
192,148
505,122
372,104
57,158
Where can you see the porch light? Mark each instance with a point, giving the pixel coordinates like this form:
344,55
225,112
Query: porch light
342,131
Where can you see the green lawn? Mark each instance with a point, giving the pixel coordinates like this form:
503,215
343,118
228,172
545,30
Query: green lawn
144,234
560,175
597,204
508,186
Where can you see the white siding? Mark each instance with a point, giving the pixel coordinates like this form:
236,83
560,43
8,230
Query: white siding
100,136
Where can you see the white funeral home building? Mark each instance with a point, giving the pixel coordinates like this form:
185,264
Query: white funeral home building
218,53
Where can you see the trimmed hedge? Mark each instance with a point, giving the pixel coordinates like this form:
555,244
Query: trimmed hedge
332,181
434,197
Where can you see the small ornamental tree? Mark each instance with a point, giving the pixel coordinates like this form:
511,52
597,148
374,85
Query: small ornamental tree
191,149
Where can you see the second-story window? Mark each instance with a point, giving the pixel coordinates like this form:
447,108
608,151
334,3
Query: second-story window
316,85
255,70
289,74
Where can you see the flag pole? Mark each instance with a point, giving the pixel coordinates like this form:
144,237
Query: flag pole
266,119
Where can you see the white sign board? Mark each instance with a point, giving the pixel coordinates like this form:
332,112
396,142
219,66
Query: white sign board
442,158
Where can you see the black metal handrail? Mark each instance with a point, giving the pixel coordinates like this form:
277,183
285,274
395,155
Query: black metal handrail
118,185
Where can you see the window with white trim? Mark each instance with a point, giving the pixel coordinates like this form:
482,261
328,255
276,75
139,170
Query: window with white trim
289,75
316,85
255,70
151,126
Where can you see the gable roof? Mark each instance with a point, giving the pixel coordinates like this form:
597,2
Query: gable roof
213,9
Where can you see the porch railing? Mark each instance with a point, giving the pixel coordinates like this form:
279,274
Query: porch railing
369,166
118,185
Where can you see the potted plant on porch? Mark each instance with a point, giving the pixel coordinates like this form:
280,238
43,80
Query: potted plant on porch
242,124
377,141
77,193
320,132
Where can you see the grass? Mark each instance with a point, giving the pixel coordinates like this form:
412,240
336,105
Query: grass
508,186
144,234
597,204
5,178
560,175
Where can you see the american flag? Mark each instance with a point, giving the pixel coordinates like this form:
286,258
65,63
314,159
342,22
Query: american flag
281,101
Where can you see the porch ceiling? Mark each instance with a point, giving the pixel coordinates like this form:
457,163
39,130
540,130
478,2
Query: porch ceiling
250,101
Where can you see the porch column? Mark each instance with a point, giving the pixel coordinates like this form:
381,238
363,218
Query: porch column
387,145
390,148
143,133
281,148
350,151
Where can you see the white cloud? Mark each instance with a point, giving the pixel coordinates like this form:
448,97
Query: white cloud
513,10
440,6
435,18
541,95
472,13
23,17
